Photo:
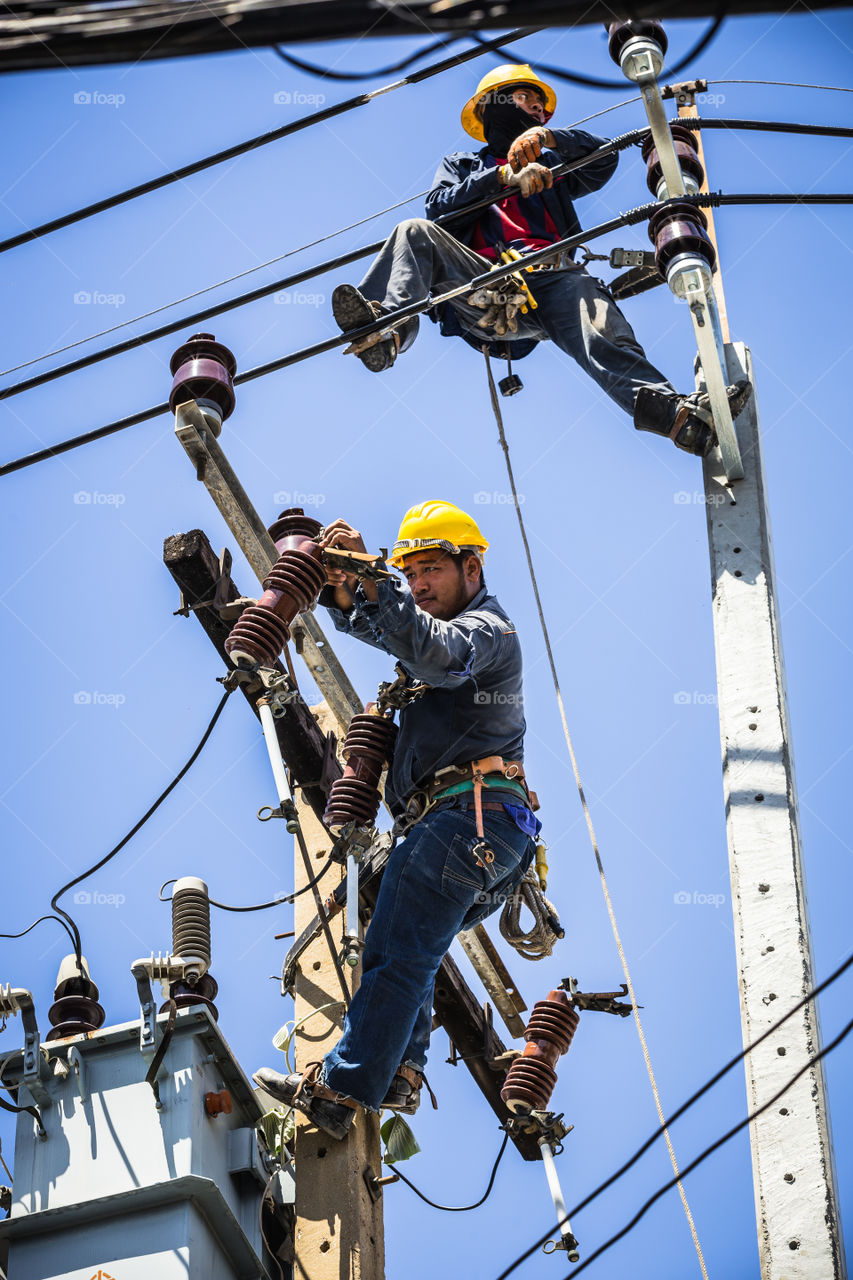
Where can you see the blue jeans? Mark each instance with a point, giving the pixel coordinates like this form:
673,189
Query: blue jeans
575,310
431,888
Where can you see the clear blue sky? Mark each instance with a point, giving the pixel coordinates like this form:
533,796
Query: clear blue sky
618,533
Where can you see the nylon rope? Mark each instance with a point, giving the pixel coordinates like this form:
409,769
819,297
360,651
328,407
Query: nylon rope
587,815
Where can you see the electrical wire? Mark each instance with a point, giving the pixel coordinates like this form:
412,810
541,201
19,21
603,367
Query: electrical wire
327,73
24,932
252,144
454,1208
640,214
685,1106
788,84
54,902
593,82
260,906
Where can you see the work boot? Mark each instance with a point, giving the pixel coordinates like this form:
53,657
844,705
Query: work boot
302,1091
351,310
687,420
404,1091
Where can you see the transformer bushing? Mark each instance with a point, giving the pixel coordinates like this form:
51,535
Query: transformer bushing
75,1010
637,46
531,1079
203,371
691,166
191,937
291,586
368,747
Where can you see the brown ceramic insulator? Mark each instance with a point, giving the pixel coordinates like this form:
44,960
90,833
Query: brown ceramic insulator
74,1016
293,584
203,992
677,228
619,33
354,797
531,1078
688,158
293,527
218,1104
203,370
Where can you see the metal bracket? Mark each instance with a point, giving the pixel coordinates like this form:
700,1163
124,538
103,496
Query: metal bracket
684,91
393,695
78,1065
375,1184
35,1069
632,258
361,563
598,1001
147,1013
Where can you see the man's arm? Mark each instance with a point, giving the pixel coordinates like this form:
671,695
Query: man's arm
455,186
570,144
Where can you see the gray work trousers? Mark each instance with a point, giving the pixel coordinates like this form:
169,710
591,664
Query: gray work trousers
575,310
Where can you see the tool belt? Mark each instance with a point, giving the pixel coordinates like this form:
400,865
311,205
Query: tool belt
560,262
474,771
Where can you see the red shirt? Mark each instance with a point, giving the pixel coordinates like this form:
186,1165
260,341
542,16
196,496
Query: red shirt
522,223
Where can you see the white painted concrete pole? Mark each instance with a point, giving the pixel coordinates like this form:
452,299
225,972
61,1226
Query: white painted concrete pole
796,1199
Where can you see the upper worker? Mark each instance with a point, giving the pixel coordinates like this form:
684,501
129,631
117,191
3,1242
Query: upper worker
510,113
455,865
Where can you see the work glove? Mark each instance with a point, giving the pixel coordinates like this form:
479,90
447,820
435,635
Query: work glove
530,180
527,147
501,305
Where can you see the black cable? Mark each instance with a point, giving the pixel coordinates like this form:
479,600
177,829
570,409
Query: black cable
154,807
260,906
766,126
593,82
715,1146
324,923
454,1208
162,1048
251,144
640,214
326,73
33,925
685,1106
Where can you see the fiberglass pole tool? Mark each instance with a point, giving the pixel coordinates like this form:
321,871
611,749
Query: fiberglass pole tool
684,252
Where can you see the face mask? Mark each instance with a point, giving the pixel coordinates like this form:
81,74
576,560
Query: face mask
503,122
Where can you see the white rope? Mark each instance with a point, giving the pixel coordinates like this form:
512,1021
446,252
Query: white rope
587,815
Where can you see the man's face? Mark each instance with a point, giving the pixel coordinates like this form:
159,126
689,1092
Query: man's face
438,585
531,101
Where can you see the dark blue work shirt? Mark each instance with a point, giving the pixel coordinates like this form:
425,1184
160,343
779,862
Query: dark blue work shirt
474,706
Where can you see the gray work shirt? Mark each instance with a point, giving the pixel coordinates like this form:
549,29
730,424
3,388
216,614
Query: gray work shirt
474,707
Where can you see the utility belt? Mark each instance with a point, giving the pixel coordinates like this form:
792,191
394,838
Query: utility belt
476,776
561,261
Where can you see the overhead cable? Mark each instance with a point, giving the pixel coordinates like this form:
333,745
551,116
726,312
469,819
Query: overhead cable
619,143
455,1208
685,1106
329,73
24,932
640,214
261,906
251,144
54,902
593,82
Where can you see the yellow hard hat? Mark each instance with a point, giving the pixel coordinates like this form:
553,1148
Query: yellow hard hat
436,524
509,73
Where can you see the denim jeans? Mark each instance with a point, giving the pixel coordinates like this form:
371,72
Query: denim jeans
431,888
575,310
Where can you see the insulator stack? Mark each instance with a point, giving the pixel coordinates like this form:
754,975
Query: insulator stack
293,527
191,919
369,746
75,1010
531,1078
680,228
292,585
688,159
204,370
203,992
637,36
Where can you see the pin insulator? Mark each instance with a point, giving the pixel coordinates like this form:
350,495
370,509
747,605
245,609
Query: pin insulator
619,33
685,150
368,747
203,992
75,1010
531,1078
680,228
203,370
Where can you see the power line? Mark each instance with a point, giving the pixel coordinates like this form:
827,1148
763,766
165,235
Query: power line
593,82
24,932
261,906
54,902
640,214
328,73
456,1208
685,1106
251,144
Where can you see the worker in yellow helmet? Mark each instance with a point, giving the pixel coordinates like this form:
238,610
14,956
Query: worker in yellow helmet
456,787
510,112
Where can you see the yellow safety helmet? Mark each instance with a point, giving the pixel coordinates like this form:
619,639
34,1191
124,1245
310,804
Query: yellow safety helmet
509,73
436,524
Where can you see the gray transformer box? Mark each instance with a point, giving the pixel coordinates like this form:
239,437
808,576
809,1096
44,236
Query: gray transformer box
121,1189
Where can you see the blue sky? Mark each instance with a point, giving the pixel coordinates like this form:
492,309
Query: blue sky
617,527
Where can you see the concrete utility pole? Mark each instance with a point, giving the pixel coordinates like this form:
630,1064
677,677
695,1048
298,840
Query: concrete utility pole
796,1197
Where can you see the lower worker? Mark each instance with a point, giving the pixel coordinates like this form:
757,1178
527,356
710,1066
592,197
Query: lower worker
510,111
456,784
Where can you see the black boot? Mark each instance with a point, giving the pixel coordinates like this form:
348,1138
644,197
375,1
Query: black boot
687,420
303,1092
352,310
